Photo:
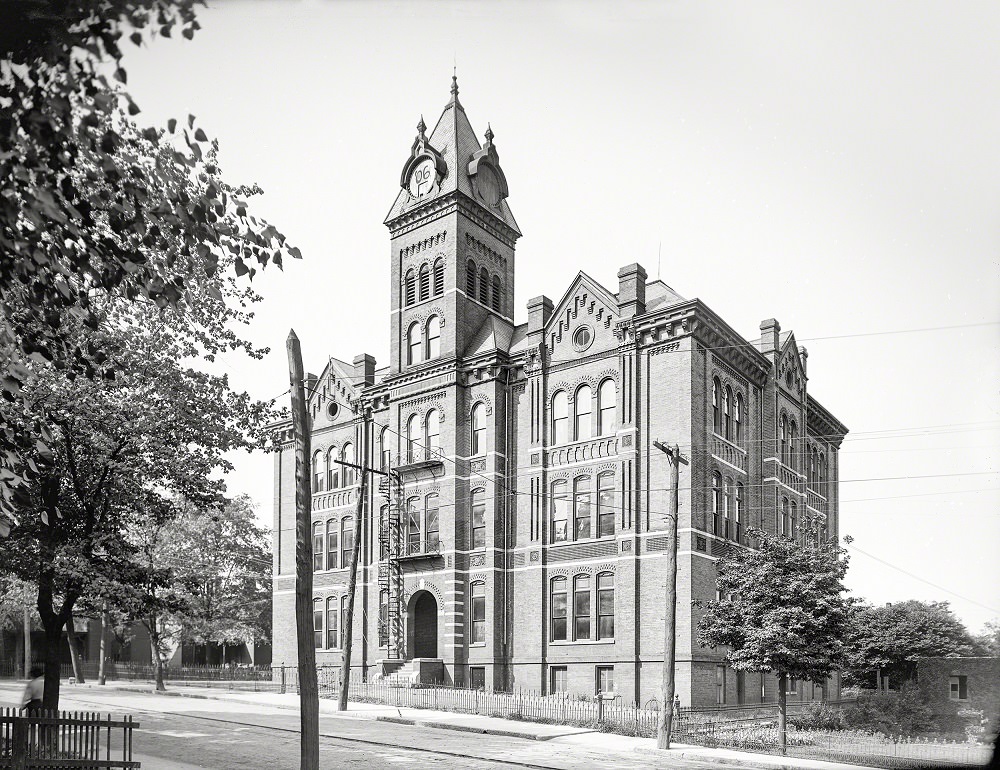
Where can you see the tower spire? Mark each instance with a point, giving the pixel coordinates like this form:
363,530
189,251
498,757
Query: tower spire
454,88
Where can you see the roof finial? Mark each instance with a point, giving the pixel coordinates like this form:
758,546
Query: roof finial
454,83
421,126
489,134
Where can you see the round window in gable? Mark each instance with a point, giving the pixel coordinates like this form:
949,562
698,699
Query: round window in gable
583,337
333,410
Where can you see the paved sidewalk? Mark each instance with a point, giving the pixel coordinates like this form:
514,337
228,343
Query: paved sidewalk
583,738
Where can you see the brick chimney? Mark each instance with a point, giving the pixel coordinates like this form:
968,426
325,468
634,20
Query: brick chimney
364,370
770,331
632,290
539,313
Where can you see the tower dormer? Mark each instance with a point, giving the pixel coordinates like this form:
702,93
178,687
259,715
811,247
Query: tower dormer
452,240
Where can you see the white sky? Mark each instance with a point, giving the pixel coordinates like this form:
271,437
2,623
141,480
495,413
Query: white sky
834,166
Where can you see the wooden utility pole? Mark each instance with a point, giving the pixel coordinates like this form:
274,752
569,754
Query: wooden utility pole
352,579
665,719
308,690
27,642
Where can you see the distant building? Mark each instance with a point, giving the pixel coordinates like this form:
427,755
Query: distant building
523,543
950,685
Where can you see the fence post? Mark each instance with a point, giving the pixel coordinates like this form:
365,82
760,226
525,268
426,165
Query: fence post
20,747
283,679
600,708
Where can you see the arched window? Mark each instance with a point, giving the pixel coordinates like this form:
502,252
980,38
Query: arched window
332,469
347,455
484,286
560,511
812,465
784,524
331,544
727,412
607,404
331,622
413,344
385,449
470,279
606,606
412,438
581,607
478,616
581,507
716,503
317,471
317,546
727,510
433,337
560,417
383,619
479,429
411,287
738,532
606,504
793,519
478,518
412,526
432,526
793,434
558,604
738,420
425,282
716,405
783,432
581,412
318,623
432,434
346,541
496,293
438,277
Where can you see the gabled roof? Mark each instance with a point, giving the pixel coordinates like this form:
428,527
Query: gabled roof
593,287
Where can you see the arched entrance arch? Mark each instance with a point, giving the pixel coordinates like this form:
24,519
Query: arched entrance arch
422,625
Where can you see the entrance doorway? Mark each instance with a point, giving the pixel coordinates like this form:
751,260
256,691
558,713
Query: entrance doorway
424,622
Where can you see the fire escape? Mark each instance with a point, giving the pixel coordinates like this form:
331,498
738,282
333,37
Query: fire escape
390,576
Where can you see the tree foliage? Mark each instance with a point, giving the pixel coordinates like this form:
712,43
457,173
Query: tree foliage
91,206
988,640
891,637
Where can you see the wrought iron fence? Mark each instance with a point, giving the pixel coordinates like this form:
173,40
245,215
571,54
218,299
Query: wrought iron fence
65,739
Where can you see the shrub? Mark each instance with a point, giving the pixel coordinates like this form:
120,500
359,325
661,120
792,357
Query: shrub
818,716
893,713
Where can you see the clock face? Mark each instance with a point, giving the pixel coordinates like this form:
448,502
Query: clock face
488,185
422,178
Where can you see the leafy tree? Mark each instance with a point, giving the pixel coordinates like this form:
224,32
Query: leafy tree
16,596
988,640
890,638
782,611
84,213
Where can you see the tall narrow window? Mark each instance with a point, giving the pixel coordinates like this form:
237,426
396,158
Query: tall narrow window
605,504
558,612
317,546
478,613
720,685
783,433
581,607
607,399
559,678
812,465
605,679
331,544
727,509
331,622
496,293
433,337
413,344
425,282
606,606
438,277
716,503
784,524
484,286
350,473
560,417
793,434
383,619
432,526
738,420
479,429
740,503
478,518
470,279
432,434
343,620
581,413
411,287
412,526
581,507
727,412
560,511
386,449
793,520
317,472
717,405
412,438
332,469
318,623
346,541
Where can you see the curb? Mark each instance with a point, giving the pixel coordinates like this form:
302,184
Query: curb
466,728
745,760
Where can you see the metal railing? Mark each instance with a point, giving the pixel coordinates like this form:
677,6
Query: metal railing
65,739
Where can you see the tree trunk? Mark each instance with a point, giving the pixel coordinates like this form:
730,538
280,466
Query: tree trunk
102,666
26,646
74,650
782,713
53,638
154,648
